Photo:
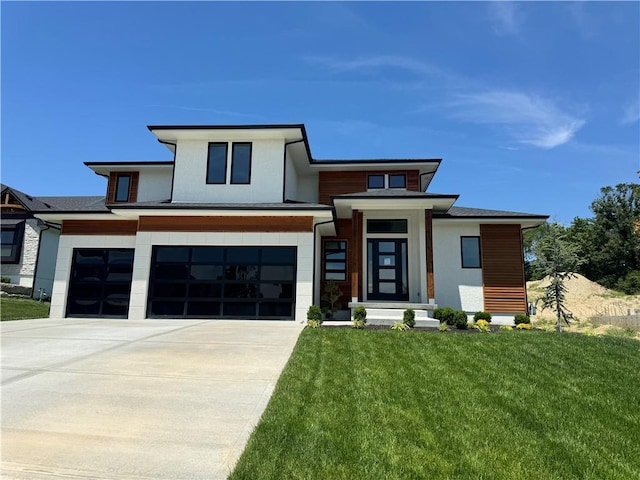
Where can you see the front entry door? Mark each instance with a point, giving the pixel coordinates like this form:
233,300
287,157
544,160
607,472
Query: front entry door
387,277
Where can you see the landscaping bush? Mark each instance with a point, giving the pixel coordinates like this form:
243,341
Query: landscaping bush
523,326
482,316
506,328
482,326
460,320
630,283
444,314
443,327
314,316
409,317
5,280
522,319
359,317
400,326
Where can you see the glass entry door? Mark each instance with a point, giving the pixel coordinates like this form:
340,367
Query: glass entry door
387,277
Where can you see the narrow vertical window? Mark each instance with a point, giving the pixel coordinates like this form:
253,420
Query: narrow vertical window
470,250
217,163
123,183
335,260
241,163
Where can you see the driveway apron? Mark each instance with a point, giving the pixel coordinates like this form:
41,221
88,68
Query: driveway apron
153,399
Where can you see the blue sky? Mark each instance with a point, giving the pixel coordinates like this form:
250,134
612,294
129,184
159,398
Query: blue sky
532,106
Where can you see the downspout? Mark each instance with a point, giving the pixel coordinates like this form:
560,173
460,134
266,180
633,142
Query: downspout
284,166
315,229
35,271
173,168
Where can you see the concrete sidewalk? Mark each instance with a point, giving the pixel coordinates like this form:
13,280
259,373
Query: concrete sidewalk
152,399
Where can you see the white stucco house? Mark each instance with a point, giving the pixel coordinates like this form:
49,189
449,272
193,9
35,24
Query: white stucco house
245,223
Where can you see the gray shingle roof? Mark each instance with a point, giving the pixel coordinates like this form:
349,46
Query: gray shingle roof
462,212
75,204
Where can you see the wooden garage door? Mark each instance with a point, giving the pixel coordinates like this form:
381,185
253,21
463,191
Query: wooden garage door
503,269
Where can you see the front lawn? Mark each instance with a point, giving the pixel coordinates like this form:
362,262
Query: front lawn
12,308
379,404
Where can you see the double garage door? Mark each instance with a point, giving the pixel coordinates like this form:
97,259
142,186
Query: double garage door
193,282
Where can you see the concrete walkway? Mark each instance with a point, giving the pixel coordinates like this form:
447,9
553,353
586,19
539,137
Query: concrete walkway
153,399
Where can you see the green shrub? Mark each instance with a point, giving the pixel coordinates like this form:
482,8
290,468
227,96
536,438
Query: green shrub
444,314
409,317
359,317
482,316
460,320
630,283
5,280
506,328
443,327
314,316
400,326
518,319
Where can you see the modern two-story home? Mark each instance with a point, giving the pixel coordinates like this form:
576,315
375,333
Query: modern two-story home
245,223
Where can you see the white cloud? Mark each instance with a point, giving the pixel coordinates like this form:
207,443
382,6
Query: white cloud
530,120
631,113
506,17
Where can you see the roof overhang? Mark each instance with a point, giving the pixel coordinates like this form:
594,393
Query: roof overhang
346,204
57,217
524,222
104,168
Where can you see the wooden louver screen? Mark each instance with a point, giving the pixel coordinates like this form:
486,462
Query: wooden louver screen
503,269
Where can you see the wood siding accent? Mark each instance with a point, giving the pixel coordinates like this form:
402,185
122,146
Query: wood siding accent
133,186
226,224
99,227
428,221
356,228
503,269
341,183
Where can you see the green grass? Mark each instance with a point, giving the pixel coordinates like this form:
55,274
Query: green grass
22,308
510,405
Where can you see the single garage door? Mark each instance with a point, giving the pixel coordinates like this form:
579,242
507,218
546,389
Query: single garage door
100,283
222,282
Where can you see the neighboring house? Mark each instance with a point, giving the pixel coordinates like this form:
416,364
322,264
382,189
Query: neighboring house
244,223
30,245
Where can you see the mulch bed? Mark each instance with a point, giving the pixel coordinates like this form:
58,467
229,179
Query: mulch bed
452,329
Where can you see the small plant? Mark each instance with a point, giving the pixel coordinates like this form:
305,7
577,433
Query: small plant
444,314
331,299
482,326
443,327
359,317
314,316
518,319
506,328
523,326
5,280
621,332
482,316
400,326
460,320
409,317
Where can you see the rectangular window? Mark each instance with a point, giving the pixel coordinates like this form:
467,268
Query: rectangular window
217,163
11,241
386,226
398,181
335,260
241,163
123,183
470,248
375,181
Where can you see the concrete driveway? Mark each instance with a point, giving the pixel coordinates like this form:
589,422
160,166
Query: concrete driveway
152,399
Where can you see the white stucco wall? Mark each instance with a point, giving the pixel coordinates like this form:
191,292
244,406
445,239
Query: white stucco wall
49,239
291,180
307,189
190,182
63,265
455,287
154,184
22,273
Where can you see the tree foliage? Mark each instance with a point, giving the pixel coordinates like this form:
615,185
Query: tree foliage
556,258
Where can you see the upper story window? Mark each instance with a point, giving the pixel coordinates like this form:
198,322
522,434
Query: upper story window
123,185
241,163
217,159
217,163
386,180
470,251
11,240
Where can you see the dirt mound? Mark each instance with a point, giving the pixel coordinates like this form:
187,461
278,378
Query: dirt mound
585,299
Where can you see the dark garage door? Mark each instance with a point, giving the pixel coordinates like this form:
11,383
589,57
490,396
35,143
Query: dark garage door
222,282
100,283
